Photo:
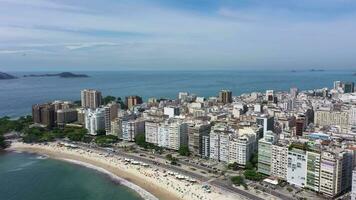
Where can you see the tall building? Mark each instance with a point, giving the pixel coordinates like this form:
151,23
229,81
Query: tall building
300,125
195,137
177,135
279,161
349,87
111,111
65,116
163,134
205,146
131,128
328,118
242,147
265,152
171,111
152,131
335,172
116,127
297,167
337,85
270,95
131,101
225,96
313,171
294,92
95,121
353,189
267,122
44,114
91,98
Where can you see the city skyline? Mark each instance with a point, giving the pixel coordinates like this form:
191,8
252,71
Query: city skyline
176,35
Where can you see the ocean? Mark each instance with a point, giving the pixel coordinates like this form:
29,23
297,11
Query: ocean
18,95
33,177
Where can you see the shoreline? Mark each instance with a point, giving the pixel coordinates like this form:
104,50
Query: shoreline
150,184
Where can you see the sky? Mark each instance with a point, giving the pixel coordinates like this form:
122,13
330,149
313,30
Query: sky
177,34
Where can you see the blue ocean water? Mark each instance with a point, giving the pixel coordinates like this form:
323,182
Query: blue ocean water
26,177
17,95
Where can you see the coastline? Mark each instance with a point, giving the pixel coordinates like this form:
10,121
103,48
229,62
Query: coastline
149,183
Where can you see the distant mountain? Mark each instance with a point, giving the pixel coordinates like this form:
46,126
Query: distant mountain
62,75
4,76
317,70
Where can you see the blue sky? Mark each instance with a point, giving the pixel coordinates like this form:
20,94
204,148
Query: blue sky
177,34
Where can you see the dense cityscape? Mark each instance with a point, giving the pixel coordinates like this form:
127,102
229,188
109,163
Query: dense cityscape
287,145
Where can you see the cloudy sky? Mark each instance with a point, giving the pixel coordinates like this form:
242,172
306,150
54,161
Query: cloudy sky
177,34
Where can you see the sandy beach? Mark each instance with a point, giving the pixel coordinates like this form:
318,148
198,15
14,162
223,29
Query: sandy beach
151,182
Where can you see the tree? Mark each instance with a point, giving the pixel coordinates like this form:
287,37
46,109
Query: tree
253,175
249,165
184,150
233,166
169,157
254,160
105,140
101,132
140,140
109,99
76,136
3,144
238,180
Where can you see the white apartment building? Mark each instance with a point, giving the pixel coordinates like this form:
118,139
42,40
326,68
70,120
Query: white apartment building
95,120
279,161
171,111
152,131
163,134
214,145
224,147
353,116
242,147
297,167
177,135
130,128
111,112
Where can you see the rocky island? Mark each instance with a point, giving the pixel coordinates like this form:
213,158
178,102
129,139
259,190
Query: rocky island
61,75
4,76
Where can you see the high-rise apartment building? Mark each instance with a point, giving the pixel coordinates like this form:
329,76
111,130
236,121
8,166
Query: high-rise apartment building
297,167
65,116
265,152
95,120
111,112
225,96
279,161
349,87
328,118
131,101
44,114
300,125
195,137
267,122
91,98
131,128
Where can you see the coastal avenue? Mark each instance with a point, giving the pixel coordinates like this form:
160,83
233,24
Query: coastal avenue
217,183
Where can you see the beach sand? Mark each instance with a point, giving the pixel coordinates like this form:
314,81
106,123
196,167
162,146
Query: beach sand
150,182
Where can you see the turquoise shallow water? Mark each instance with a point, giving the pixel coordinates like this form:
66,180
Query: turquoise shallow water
17,95
30,177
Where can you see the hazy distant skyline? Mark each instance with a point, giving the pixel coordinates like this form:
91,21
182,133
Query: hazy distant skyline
67,35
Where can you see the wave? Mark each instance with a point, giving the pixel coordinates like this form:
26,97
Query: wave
142,192
42,157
